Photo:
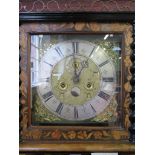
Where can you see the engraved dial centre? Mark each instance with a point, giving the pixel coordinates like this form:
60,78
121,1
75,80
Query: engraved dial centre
76,81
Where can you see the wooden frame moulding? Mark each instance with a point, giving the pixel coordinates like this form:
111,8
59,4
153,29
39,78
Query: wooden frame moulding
56,138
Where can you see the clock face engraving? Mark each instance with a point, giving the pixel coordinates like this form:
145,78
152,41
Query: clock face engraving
77,80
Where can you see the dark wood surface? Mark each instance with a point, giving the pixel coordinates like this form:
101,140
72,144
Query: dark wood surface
77,17
71,153
76,5
132,93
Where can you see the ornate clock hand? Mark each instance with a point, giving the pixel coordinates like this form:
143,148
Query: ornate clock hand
84,65
76,78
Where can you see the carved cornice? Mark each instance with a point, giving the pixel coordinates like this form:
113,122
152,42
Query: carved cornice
76,6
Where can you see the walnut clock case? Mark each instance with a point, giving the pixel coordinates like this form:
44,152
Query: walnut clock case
77,82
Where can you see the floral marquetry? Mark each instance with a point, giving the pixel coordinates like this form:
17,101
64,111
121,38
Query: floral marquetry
75,6
75,82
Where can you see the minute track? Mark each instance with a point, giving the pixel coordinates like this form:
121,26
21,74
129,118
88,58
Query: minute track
79,83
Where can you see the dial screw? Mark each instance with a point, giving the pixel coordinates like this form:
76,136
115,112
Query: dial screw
62,85
89,85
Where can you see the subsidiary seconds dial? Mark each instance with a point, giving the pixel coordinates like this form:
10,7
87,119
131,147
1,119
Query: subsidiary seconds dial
79,80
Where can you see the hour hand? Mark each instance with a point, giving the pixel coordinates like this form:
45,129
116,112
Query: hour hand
84,64
76,77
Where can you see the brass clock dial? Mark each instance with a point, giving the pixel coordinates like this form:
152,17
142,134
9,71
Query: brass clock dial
78,80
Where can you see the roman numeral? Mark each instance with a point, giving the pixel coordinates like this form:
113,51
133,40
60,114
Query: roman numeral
104,95
59,52
59,108
45,79
103,63
48,63
108,79
118,89
75,112
43,61
93,108
92,51
75,47
47,96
